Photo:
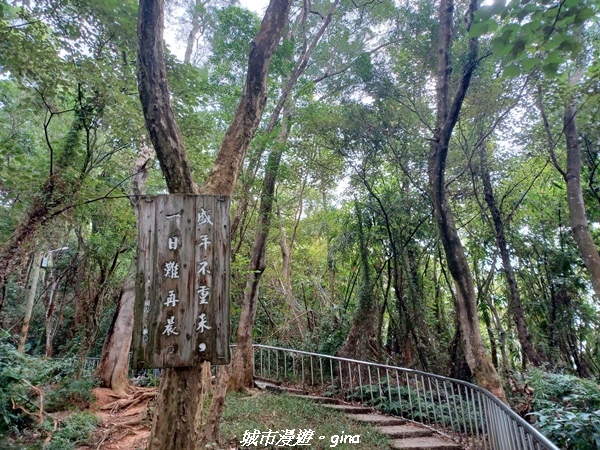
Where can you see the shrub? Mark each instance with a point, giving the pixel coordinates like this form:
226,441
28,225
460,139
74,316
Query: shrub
71,393
75,429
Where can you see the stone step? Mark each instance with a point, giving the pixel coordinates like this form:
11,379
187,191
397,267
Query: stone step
316,398
267,386
350,409
377,419
424,443
405,431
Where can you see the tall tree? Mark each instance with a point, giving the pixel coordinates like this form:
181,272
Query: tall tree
177,419
448,110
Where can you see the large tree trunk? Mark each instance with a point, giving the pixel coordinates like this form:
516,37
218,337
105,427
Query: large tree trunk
35,276
447,115
242,376
114,363
514,296
177,420
54,193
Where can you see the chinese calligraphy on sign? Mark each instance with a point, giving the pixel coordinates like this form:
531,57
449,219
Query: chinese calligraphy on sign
182,288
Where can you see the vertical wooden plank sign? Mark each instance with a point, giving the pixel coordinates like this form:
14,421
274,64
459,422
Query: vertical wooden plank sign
182,288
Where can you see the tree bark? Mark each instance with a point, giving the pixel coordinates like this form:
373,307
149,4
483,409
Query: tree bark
234,147
298,325
242,376
35,271
514,296
447,115
362,342
579,222
283,97
114,362
177,420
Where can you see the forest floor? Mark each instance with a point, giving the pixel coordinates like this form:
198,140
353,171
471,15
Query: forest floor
125,420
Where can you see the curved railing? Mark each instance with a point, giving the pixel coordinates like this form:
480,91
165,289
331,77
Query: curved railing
465,412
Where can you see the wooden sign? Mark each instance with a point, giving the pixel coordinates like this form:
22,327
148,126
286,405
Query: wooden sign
182,287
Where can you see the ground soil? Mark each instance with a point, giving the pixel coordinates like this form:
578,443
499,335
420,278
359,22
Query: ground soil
125,419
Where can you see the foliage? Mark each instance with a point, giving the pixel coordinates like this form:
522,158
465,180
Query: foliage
71,393
566,409
53,377
73,431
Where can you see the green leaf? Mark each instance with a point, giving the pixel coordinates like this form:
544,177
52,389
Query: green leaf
550,68
481,28
510,71
530,63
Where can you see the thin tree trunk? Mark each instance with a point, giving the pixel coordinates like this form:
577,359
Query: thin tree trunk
177,420
514,296
447,115
286,268
197,26
50,308
242,376
361,342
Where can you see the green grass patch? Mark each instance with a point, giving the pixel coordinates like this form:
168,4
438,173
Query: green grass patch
265,415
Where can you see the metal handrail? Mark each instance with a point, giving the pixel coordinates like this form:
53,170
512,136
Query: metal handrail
466,412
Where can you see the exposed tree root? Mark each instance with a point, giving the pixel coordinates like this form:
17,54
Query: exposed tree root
126,401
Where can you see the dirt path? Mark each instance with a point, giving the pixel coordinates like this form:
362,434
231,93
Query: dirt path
125,420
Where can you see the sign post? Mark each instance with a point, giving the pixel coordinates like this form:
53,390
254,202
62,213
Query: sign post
182,287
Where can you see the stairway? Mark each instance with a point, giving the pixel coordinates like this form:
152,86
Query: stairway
403,435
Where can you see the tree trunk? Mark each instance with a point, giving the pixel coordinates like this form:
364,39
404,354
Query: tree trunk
242,376
298,325
113,368
514,296
50,308
283,97
114,363
35,276
197,26
177,420
579,223
447,115
362,342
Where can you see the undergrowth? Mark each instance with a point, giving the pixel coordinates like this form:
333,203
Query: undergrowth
32,389
261,413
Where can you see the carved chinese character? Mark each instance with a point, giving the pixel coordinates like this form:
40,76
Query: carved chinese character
171,269
171,300
203,292
203,323
203,270
147,306
204,241
145,335
172,216
204,217
173,243
170,327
